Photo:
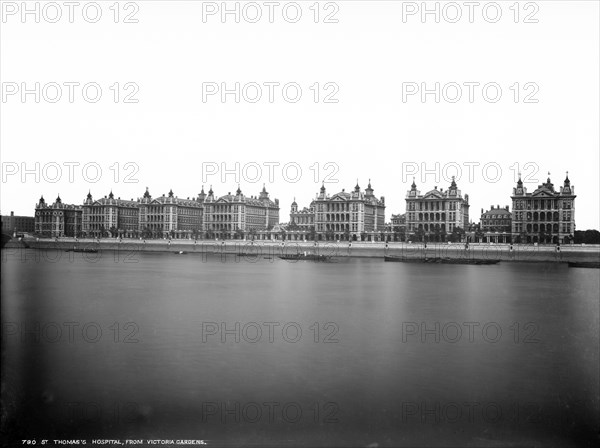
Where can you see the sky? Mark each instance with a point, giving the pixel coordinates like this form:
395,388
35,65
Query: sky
176,95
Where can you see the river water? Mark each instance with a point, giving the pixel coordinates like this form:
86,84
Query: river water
269,352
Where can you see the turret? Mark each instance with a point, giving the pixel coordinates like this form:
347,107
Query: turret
453,185
322,194
369,190
519,190
566,188
202,195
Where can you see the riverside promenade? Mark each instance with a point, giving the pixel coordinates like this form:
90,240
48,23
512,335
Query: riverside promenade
256,249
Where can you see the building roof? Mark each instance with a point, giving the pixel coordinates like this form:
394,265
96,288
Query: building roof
240,198
496,211
545,190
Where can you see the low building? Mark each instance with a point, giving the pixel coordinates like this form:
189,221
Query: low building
302,220
495,225
170,216
349,216
14,225
239,216
398,227
108,216
58,219
437,215
544,216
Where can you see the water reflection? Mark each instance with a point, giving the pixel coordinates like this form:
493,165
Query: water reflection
366,351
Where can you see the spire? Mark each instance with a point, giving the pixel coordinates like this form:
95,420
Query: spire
171,193
147,193
369,189
519,182
264,190
111,195
549,185
202,195
294,203
413,185
453,184
567,181
210,191
89,195
58,198
239,192
357,187
323,187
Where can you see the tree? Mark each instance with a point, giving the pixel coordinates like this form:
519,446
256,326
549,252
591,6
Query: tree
457,235
420,234
347,234
479,234
146,233
398,233
587,237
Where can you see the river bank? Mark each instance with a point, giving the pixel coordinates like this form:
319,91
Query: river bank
257,249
